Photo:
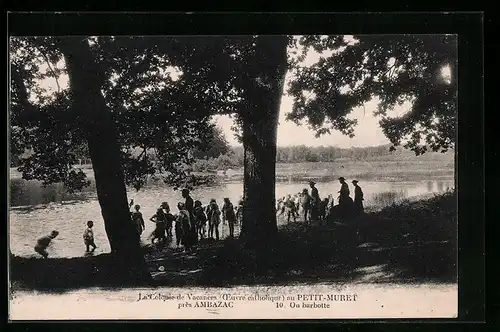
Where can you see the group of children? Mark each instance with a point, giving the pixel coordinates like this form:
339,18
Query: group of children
315,209
192,218
190,223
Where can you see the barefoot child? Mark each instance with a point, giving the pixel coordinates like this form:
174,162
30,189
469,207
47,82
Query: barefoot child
44,242
160,219
178,230
213,215
201,219
186,226
88,236
169,218
137,218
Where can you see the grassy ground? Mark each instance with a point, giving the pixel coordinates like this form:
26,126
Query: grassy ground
409,242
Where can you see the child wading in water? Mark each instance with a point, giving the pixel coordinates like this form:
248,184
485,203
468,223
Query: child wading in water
201,219
169,218
229,215
160,219
178,229
137,218
184,223
44,242
88,236
239,212
213,215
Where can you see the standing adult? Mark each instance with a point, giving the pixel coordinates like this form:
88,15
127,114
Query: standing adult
315,201
358,198
189,206
344,198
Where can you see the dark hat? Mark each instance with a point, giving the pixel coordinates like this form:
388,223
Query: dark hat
341,178
355,181
312,182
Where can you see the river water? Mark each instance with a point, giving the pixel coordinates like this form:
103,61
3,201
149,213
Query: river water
37,210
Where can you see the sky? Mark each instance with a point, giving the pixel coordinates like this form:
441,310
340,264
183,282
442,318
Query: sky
367,131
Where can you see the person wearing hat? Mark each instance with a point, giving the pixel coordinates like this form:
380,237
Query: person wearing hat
315,201
344,196
358,198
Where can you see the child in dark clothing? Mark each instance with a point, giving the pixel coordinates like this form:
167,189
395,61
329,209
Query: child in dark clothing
185,225
229,215
137,218
169,218
213,215
88,236
201,219
160,220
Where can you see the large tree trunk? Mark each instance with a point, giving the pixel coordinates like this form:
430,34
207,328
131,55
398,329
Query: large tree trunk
260,123
95,118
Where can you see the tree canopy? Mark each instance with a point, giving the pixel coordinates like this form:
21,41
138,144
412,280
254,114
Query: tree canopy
156,113
417,69
163,91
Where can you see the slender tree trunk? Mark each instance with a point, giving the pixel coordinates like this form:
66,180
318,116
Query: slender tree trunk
95,118
260,123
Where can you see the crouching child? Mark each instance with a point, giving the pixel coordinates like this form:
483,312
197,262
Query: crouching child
43,242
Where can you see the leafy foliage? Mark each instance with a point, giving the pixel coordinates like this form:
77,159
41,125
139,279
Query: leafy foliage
163,91
160,118
216,146
396,69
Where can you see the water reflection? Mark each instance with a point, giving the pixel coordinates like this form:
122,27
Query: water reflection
37,210
24,193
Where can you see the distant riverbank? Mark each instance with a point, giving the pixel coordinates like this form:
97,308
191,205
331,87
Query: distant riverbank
393,170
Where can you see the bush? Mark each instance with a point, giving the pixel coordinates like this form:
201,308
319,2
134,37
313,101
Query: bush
222,162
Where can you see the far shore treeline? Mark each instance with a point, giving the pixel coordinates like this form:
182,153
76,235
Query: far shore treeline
219,155
301,153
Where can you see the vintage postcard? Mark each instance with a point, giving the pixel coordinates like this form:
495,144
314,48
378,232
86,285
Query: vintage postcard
233,177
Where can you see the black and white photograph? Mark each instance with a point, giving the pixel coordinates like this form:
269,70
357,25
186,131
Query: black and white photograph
233,176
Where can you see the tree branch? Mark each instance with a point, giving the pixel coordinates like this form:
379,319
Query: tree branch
50,68
23,94
390,68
